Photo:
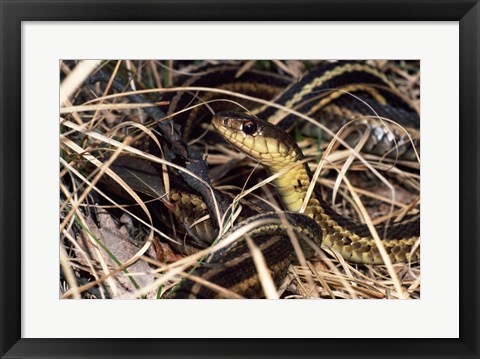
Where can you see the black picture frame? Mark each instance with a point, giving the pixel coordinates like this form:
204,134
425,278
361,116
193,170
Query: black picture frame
467,12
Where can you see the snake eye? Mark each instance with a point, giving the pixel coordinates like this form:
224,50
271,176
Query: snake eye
249,127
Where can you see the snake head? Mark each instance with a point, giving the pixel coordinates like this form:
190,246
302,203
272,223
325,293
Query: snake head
257,138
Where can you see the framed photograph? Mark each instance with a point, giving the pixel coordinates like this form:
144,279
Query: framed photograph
268,158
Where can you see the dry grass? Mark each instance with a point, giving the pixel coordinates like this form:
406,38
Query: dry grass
111,245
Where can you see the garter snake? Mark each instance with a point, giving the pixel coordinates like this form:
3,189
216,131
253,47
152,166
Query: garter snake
270,145
278,152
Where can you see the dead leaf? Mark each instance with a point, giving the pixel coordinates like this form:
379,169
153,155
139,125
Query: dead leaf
117,240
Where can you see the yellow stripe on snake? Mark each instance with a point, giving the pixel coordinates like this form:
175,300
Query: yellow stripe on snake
233,267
